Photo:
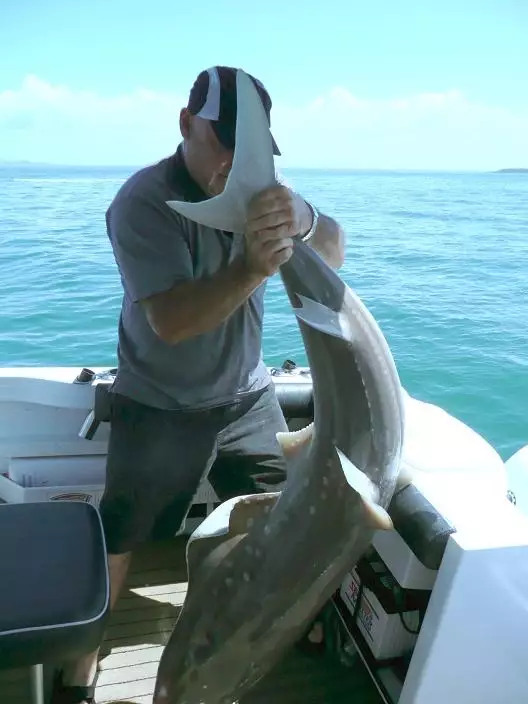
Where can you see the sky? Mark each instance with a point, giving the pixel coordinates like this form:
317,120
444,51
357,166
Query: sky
385,84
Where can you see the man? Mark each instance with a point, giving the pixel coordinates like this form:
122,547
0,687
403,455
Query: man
192,386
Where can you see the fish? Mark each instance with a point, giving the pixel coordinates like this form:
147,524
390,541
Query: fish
261,566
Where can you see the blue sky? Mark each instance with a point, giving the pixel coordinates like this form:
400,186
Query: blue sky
385,84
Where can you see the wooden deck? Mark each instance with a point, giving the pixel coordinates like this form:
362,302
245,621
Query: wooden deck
141,625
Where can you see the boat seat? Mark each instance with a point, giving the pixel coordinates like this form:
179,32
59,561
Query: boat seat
54,587
423,529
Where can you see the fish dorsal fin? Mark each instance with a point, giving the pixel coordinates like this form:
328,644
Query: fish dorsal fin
375,515
252,171
322,318
293,441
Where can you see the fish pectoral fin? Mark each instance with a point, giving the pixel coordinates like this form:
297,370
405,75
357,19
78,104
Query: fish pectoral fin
375,515
405,477
250,508
322,318
218,535
292,442
223,212
213,535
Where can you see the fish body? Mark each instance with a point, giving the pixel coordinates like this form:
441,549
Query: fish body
260,567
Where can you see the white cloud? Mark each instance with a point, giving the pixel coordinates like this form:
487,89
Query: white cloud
44,122
429,130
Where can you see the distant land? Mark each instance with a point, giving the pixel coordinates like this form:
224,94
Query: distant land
22,163
28,164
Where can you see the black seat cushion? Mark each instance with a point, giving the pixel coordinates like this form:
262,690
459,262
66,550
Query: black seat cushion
425,531
295,398
54,589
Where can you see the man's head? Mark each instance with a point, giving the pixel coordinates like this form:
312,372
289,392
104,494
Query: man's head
208,126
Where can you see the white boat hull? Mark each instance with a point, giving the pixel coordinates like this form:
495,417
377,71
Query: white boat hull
470,648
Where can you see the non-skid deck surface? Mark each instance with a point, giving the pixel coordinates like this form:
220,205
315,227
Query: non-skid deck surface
141,624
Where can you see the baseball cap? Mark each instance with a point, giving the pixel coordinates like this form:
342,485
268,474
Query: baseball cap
213,97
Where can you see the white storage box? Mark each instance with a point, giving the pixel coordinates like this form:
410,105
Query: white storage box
384,632
405,567
71,470
383,610
13,493
42,476
349,590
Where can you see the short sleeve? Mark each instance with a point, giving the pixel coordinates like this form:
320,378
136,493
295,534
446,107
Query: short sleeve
150,248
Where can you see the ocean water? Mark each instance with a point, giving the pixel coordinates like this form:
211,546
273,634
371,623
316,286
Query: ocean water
441,260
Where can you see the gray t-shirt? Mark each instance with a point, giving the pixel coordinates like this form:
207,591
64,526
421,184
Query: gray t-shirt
155,248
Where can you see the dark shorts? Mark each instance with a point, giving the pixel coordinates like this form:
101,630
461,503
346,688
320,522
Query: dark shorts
157,460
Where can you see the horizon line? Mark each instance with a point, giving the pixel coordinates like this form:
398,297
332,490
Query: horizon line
65,165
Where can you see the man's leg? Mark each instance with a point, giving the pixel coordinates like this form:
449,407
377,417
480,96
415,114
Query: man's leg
152,461
249,454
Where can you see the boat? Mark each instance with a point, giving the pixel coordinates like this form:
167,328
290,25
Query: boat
435,612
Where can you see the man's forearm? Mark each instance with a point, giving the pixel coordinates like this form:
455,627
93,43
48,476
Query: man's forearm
195,307
328,239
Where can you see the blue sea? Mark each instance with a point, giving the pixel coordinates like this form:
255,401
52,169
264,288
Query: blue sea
441,260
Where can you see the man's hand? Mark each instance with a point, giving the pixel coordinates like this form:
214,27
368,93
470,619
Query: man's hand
275,216
280,209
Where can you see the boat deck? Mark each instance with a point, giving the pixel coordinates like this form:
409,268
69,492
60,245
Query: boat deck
141,624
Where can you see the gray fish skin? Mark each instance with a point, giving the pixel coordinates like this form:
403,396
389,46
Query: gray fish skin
261,567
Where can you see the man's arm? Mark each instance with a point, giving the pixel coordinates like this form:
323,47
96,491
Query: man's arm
328,238
156,269
194,307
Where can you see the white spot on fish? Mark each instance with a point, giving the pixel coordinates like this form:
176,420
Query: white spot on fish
312,510
258,552
325,481
306,482
267,530
229,582
246,577
250,522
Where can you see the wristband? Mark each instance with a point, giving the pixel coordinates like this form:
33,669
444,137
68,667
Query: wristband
315,220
